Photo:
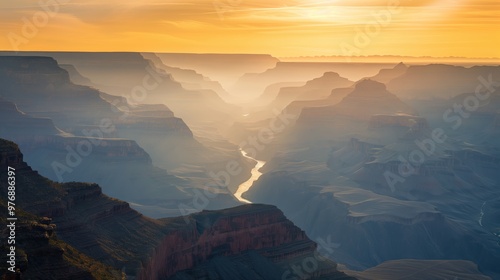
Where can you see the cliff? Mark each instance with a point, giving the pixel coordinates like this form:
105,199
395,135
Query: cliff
233,236
40,253
101,227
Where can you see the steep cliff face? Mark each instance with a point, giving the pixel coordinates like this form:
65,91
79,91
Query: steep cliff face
209,237
40,253
101,227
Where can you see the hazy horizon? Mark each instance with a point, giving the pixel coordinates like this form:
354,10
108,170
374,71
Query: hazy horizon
282,28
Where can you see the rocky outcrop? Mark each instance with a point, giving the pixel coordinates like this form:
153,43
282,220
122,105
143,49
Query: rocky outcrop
228,233
370,98
40,253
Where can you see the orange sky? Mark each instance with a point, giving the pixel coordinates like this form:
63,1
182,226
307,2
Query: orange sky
282,28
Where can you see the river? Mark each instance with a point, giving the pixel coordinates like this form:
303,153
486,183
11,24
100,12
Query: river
245,186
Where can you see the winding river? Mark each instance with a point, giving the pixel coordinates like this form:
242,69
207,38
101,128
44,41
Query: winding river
481,215
245,186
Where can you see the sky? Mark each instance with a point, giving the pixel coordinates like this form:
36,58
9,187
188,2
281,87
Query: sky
283,28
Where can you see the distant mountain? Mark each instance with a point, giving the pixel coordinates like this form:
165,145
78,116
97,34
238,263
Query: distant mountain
344,114
132,76
370,98
252,85
349,117
386,75
271,91
224,68
334,98
190,79
318,88
440,81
